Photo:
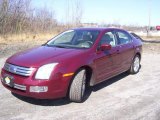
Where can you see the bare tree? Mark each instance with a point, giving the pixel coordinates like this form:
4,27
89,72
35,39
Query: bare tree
4,6
17,16
77,12
45,19
74,13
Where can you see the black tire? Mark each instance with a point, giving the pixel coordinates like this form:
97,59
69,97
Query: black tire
78,87
135,66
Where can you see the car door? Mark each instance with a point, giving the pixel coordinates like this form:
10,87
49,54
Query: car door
107,62
125,43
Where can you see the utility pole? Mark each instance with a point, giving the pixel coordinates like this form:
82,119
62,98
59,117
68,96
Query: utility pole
149,16
68,14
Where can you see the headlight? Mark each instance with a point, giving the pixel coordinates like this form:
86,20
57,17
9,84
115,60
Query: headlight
45,71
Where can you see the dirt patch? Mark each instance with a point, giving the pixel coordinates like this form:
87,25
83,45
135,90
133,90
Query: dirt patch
9,49
151,47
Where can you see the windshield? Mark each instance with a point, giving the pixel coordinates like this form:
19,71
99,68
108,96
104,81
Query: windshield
75,39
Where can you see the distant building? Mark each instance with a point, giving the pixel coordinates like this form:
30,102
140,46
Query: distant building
89,24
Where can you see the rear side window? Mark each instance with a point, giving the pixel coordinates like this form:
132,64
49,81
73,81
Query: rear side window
123,38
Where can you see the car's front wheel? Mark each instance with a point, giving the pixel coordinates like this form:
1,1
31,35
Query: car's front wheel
135,65
78,86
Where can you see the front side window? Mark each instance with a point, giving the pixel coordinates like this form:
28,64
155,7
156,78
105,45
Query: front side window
108,38
123,38
75,39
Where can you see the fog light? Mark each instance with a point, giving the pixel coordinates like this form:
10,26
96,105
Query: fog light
38,89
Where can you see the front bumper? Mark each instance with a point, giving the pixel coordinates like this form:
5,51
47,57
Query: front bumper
57,86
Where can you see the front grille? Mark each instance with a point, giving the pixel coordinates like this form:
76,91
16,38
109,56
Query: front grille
24,71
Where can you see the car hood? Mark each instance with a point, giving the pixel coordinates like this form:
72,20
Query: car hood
42,55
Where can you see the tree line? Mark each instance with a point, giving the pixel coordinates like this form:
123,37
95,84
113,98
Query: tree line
18,16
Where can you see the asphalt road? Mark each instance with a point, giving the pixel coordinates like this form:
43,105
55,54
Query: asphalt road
125,97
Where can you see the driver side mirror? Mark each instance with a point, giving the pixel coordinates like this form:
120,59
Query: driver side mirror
104,47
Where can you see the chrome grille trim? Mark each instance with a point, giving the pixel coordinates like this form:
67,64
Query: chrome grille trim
24,71
20,87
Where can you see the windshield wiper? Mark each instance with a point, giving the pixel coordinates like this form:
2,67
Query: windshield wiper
59,46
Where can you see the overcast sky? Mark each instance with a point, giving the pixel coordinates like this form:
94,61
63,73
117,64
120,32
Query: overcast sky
135,12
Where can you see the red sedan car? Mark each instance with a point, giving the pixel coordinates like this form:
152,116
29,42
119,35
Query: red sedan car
72,61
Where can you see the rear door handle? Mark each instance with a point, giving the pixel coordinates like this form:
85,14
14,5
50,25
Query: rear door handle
118,51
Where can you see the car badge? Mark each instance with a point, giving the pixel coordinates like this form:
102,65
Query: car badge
12,69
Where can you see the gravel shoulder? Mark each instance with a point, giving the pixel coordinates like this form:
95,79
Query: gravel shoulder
125,97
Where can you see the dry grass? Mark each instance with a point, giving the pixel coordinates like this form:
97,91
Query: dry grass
41,38
150,37
18,38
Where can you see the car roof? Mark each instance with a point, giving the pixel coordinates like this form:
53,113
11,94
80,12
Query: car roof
97,28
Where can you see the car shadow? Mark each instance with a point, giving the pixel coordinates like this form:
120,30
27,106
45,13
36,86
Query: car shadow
43,102
64,101
109,82
50,102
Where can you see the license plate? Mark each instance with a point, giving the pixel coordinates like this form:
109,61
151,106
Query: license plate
8,80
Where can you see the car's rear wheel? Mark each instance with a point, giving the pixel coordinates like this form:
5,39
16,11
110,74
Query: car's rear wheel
135,65
78,86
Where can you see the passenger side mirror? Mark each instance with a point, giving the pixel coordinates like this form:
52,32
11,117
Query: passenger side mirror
104,47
